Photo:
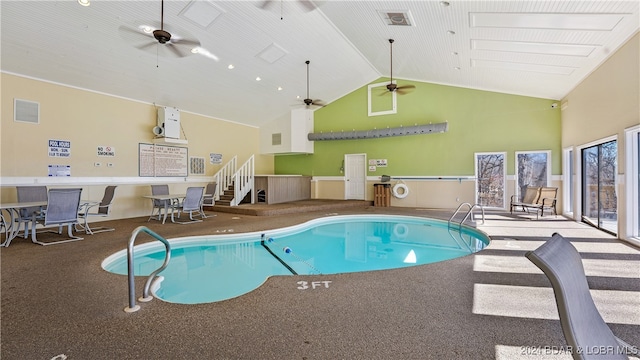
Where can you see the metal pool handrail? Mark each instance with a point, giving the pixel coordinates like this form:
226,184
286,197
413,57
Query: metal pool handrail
471,207
130,269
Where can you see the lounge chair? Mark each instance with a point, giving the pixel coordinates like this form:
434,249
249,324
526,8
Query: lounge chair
102,209
546,201
160,204
62,209
192,204
585,332
30,194
210,196
531,195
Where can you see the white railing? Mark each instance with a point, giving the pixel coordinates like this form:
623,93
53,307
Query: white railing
243,182
224,176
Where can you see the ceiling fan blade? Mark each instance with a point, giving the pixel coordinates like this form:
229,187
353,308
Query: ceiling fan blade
132,34
174,49
146,46
405,89
307,4
179,41
318,103
265,4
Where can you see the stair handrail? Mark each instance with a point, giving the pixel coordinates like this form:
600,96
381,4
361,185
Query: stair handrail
224,176
243,182
130,268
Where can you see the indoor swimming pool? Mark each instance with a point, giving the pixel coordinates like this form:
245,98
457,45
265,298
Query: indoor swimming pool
212,268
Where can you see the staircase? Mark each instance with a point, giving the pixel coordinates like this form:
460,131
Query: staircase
235,184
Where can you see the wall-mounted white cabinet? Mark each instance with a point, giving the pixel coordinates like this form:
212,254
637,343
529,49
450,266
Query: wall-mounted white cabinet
288,134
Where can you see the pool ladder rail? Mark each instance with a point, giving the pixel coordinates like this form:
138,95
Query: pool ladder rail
466,216
130,268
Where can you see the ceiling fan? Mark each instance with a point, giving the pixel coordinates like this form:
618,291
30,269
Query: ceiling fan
308,101
177,45
391,86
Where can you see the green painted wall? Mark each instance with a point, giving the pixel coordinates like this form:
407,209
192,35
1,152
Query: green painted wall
479,121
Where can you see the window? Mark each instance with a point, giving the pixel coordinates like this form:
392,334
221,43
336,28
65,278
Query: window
568,181
490,177
632,171
532,169
599,198
381,101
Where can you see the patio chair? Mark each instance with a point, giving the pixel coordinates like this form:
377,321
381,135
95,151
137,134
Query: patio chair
62,209
583,327
192,203
546,201
210,196
159,205
94,209
30,194
531,195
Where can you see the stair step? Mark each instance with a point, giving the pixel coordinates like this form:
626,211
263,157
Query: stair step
223,202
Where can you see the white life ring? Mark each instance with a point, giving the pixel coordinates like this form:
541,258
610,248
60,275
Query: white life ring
400,230
400,195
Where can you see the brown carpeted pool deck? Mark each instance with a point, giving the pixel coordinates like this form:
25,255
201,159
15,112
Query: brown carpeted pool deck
58,303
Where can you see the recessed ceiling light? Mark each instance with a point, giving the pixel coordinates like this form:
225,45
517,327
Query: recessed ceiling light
451,32
84,2
230,67
454,53
298,97
195,50
457,67
444,3
279,88
258,78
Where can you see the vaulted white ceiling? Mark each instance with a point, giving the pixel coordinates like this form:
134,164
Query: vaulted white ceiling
533,48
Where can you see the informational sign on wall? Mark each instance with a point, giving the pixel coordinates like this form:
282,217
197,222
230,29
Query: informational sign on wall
163,160
59,170
106,151
215,158
59,148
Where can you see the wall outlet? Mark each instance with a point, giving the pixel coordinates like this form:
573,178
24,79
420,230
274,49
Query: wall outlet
97,164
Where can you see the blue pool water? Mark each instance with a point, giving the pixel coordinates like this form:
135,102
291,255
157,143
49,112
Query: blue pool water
218,267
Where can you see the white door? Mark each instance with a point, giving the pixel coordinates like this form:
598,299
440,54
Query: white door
355,176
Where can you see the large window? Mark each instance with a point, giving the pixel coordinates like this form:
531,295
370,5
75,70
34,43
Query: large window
599,198
490,179
532,169
568,170
632,171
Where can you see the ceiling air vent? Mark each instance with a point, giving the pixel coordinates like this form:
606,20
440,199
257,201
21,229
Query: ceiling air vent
276,139
26,111
396,17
